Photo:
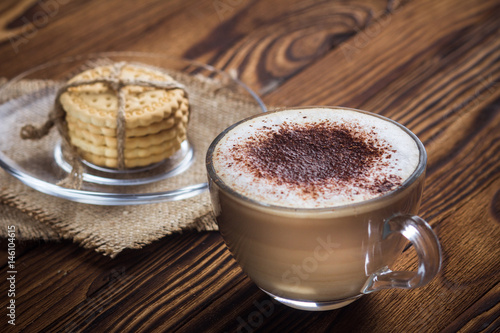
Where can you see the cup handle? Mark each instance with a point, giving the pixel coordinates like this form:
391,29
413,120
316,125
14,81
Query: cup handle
426,244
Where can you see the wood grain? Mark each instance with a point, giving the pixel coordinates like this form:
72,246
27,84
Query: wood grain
10,12
265,42
267,51
431,65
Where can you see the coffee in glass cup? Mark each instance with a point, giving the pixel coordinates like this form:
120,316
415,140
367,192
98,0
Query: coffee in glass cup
315,203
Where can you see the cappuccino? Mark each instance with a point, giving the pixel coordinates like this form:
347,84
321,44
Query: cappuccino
316,203
315,158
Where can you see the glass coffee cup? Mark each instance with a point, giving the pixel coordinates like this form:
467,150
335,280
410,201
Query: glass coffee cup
310,253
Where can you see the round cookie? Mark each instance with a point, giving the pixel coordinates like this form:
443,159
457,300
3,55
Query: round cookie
131,162
134,153
97,104
181,115
130,142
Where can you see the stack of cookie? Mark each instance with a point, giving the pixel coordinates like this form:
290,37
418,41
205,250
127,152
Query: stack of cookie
155,119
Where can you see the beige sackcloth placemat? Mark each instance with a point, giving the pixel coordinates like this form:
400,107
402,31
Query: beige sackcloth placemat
111,229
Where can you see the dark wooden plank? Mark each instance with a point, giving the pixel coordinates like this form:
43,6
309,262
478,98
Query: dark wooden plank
74,287
265,42
268,42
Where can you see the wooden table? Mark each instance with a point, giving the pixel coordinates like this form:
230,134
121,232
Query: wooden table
432,65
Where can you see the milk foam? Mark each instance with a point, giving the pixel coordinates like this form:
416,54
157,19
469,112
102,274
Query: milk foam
400,162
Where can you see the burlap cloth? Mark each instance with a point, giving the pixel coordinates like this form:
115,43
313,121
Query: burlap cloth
111,229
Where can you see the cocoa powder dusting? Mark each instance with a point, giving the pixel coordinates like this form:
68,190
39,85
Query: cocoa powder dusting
316,156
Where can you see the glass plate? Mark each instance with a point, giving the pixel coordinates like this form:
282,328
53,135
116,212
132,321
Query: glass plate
41,164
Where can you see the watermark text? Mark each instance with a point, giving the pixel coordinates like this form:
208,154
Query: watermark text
11,274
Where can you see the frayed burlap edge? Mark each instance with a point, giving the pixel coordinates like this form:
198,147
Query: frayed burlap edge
29,224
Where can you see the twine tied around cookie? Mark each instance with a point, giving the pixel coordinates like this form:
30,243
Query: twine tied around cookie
57,116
